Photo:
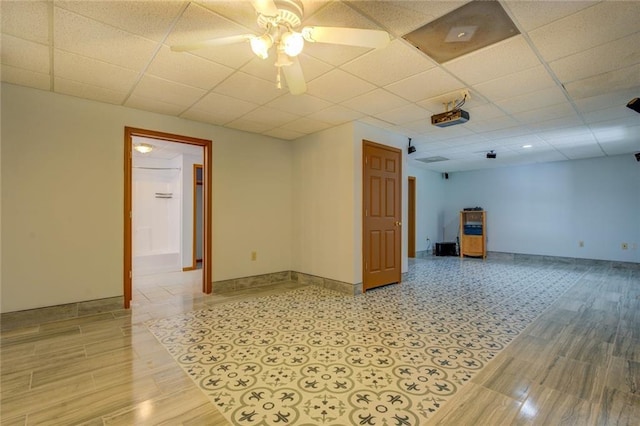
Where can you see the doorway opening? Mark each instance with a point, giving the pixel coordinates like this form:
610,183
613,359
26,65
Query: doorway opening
159,180
411,217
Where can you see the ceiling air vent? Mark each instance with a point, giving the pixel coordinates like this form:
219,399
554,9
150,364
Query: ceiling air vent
432,159
473,26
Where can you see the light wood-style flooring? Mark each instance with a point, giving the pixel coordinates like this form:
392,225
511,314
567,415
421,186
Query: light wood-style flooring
94,363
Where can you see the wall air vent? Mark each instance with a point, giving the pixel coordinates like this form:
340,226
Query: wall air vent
432,159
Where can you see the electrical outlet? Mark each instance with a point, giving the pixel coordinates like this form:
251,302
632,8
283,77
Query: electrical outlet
580,243
625,246
254,255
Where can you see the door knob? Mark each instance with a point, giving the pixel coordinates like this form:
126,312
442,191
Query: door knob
398,223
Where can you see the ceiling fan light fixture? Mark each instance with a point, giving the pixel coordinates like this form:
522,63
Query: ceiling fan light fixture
261,45
292,43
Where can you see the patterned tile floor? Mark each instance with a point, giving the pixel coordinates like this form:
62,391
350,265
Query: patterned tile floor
392,356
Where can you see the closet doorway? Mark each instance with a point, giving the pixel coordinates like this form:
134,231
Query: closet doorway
158,239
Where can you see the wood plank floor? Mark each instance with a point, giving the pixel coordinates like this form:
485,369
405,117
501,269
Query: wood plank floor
94,363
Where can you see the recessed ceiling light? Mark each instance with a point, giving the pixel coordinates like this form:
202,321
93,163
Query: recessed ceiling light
527,146
143,148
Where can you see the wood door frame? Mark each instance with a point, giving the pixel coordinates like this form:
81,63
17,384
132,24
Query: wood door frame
411,217
365,144
207,145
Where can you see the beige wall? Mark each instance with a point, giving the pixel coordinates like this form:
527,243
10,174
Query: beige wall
323,194
328,200
62,197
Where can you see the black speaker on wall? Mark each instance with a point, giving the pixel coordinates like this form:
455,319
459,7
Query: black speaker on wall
634,104
637,154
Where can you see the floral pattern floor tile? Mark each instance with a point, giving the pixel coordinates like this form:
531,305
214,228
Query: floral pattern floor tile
392,356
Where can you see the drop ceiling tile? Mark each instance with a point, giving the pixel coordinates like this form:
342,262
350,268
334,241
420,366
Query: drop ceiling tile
167,91
336,114
606,100
241,12
556,123
283,134
620,148
338,86
531,101
484,112
490,125
530,15
248,88
26,78
334,54
585,151
403,17
20,53
425,85
150,19
93,72
611,132
446,133
185,68
618,112
384,66
262,68
224,111
568,136
511,132
87,91
219,109
625,78
303,104
405,114
607,57
306,125
153,105
556,111
269,116
249,126
337,14
26,19
518,83
375,102
425,128
517,142
447,101
83,36
198,23
585,29
266,69
500,59
313,68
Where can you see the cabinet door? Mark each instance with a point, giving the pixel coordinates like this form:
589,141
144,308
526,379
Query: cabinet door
473,244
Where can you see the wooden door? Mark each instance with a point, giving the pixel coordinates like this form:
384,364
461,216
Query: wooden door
382,227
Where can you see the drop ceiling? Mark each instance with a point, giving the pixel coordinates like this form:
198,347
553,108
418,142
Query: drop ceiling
560,86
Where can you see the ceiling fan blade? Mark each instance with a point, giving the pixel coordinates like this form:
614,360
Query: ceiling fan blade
265,7
222,41
346,36
295,78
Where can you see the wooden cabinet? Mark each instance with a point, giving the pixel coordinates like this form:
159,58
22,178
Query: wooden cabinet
473,241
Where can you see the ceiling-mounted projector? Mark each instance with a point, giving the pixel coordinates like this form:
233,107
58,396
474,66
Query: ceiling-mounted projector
450,118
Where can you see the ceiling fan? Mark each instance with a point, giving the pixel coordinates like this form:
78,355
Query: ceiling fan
279,20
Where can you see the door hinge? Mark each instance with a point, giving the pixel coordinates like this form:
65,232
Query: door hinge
130,274
366,212
366,266
366,160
